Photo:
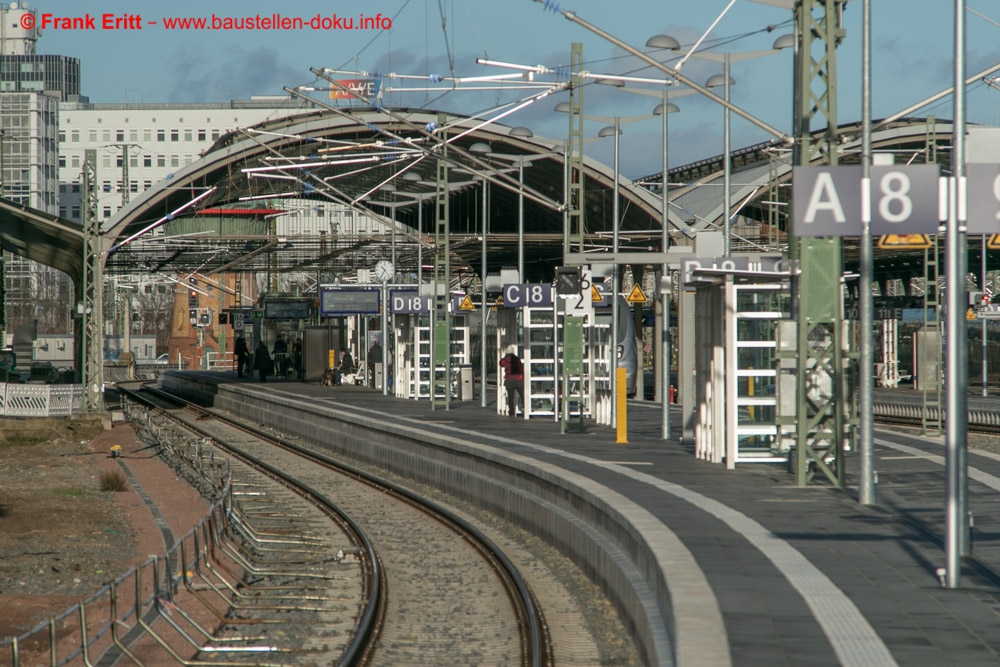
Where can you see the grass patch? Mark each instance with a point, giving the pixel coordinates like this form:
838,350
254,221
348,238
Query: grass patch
22,441
113,481
71,493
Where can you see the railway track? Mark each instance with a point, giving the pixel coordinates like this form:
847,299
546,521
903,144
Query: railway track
444,594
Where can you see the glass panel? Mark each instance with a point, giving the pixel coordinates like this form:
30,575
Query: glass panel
747,301
755,357
540,335
541,317
542,386
755,329
541,405
761,444
542,351
762,386
756,415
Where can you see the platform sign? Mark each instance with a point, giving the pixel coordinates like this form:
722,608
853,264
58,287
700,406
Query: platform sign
409,302
905,199
343,302
238,321
581,303
983,198
286,309
829,201
530,295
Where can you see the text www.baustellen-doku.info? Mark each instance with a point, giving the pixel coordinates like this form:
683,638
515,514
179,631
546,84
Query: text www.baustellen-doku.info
275,21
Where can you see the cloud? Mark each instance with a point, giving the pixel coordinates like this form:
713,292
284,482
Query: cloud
238,74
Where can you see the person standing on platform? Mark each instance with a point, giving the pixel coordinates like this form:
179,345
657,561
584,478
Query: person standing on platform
262,362
300,370
242,354
513,381
374,357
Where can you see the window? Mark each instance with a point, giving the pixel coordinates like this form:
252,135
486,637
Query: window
75,212
188,136
202,135
62,211
147,135
133,160
106,136
188,159
106,186
118,185
107,211
215,135
92,136
133,186
75,136
75,160
147,185
161,135
175,135
62,136
161,160
106,161
119,135
175,160
147,160
133,135
118,161
62,160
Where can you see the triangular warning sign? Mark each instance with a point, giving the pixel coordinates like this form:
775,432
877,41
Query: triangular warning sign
595,295
904,242
498,303
971,314
993,243
636,295
466,304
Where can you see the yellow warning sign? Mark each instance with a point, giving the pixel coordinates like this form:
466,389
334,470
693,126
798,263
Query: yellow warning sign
498,303
466,304
636,295
904,242
971,315
993,243
595,295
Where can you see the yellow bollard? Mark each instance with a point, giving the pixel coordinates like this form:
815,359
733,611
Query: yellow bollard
621,396
330,361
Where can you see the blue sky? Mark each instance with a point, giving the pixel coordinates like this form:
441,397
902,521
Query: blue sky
912,58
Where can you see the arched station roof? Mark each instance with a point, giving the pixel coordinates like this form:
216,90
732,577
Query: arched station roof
344,156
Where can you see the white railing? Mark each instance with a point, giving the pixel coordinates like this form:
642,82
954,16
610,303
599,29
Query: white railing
40,400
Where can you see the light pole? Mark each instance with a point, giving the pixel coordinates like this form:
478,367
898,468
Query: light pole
482,148
664,110
726,81
524,133
615,131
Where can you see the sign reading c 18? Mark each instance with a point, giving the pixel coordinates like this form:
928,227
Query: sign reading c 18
901,199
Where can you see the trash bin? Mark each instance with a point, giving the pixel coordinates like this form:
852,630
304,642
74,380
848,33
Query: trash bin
466,387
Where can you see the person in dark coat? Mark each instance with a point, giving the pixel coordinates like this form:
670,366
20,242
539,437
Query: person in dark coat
242,355
513,381
262,362
300,369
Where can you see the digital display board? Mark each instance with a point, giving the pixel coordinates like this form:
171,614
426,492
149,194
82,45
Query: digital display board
286,310
340,302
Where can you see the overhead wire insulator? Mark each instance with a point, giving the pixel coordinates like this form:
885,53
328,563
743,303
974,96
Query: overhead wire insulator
435,78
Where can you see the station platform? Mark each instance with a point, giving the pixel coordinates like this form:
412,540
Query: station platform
759,571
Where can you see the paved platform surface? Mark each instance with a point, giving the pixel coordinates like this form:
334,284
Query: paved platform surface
802,576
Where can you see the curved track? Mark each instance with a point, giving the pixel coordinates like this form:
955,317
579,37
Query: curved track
441,604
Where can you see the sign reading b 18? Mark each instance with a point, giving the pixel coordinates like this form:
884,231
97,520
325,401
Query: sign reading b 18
831,201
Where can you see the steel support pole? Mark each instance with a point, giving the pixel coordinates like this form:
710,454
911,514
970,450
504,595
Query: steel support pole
520,220
613,369
866,445
727,227
982,286
956,350
482,306
664,383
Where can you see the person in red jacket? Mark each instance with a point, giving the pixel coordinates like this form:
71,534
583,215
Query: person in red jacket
513,381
